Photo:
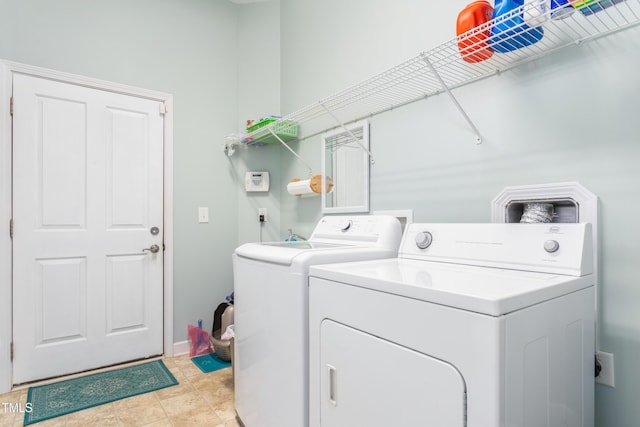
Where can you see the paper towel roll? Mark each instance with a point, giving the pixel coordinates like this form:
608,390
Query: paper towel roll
299,187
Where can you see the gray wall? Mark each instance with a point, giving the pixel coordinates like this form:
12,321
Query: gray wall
188,49
567,117
571,116
258,96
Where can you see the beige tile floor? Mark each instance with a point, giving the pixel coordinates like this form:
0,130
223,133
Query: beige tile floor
199,400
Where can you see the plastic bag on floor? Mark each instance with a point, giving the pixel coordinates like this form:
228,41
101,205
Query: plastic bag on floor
200,343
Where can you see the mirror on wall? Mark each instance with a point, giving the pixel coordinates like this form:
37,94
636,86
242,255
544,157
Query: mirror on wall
345,161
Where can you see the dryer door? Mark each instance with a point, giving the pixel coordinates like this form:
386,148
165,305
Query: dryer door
367,381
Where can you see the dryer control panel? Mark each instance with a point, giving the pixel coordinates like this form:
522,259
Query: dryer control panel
548,248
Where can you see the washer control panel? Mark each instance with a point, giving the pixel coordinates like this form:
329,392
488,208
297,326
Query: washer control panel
373,230
346,225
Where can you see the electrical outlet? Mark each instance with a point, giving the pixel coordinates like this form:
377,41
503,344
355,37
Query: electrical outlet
262,214
607,374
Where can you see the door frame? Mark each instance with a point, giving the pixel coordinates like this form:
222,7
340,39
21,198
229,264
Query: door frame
7,69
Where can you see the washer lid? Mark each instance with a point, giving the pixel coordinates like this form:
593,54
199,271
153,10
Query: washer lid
284,252
487,290
301,245
335,238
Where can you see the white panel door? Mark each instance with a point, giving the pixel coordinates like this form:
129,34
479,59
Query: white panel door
367,381
87,190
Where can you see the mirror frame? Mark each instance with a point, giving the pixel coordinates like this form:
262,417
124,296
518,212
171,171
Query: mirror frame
366,162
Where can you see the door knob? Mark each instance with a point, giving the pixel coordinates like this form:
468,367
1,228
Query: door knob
153,249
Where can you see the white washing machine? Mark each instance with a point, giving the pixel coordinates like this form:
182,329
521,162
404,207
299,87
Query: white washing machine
271,312
478,325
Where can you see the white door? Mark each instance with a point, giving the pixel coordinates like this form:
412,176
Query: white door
377,383
87,194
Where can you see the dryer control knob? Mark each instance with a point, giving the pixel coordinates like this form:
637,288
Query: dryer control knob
423,239
551,246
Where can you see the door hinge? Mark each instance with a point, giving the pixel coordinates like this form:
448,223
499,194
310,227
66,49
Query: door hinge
11,105
11,228
11,355
163,108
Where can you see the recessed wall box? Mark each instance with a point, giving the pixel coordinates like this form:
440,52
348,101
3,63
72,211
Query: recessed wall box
256,181
571,203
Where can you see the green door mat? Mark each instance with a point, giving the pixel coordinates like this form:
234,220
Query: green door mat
64,397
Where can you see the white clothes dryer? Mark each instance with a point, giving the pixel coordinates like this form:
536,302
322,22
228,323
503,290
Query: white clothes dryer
271,312
478,325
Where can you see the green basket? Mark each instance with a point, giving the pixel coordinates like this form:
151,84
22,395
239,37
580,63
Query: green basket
285,129
261,123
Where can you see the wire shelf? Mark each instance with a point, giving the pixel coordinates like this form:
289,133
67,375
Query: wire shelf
345,140
445,67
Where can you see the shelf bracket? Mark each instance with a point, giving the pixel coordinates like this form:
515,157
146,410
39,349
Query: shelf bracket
291,150
229,146
348,131
453,98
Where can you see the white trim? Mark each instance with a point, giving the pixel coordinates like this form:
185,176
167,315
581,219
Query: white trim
91,82
365,145
180,348
6,319
168,228
7,68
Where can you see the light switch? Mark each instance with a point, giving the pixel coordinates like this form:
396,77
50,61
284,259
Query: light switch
203,215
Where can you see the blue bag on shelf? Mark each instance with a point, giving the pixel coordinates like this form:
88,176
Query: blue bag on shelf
509,31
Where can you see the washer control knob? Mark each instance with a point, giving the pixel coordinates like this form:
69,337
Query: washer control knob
551,246
423,239
345,225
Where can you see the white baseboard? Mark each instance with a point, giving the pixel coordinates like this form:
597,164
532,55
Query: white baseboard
180,348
